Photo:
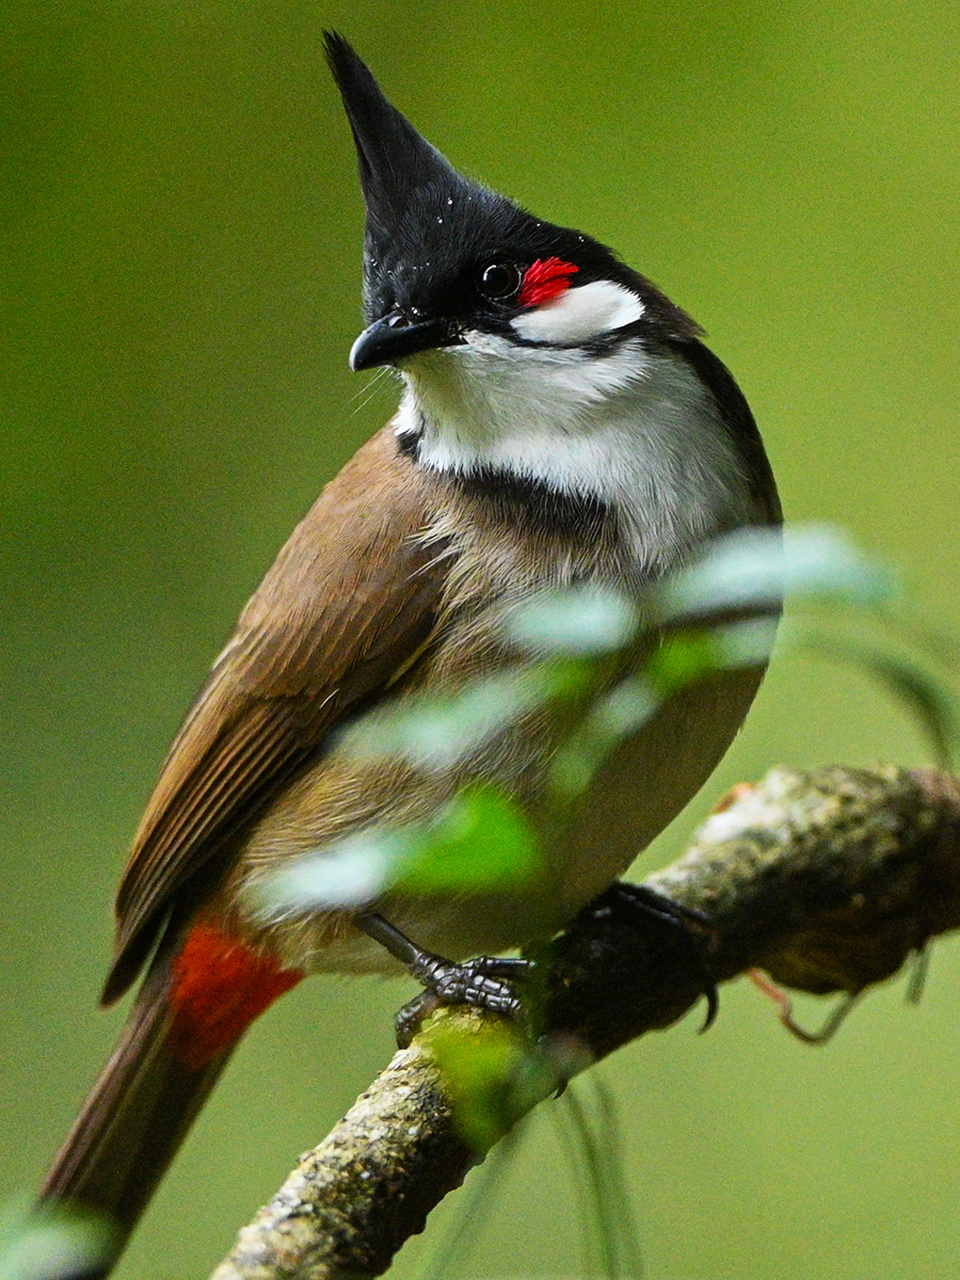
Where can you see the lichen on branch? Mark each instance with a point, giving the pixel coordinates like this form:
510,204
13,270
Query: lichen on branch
828,880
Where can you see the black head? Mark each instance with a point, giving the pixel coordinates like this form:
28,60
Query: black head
444,255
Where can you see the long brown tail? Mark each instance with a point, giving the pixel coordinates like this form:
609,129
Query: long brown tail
188,1016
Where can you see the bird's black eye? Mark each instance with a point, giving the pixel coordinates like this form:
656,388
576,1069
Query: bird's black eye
500,280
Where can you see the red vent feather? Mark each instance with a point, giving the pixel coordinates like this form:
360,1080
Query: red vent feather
219,987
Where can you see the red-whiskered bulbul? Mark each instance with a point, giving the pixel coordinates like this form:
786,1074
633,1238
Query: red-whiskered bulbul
561,424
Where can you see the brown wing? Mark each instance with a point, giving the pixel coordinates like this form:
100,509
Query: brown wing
348,601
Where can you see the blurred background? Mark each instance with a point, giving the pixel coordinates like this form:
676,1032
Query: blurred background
180,230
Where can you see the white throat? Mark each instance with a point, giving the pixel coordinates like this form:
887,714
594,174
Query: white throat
638,431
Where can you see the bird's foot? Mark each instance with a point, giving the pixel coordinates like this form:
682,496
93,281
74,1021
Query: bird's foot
486,982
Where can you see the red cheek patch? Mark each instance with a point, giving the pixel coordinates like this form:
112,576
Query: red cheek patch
546,279
219,987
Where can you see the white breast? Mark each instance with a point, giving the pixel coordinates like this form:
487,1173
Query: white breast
637,430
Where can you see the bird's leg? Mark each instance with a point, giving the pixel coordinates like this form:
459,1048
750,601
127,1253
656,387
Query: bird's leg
490,982
486,982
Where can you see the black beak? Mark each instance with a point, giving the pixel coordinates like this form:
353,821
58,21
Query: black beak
395,336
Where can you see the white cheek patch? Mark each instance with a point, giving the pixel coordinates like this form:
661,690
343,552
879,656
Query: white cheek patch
579,314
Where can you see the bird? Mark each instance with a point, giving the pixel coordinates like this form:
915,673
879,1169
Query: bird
561,425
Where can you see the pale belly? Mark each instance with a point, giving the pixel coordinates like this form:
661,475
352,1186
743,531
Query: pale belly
639,788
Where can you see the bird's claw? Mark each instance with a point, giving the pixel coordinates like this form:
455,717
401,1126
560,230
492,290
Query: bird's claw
486,982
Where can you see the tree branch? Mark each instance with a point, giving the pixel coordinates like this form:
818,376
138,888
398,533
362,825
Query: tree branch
828,880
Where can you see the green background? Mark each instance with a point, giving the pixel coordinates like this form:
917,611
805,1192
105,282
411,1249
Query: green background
181,237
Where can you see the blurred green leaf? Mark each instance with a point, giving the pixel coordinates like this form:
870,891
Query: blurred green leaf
904,620
590,1128
347,873
480,841
614,1191
745,644
754,568
450,1251
686,656
586,619
479,1071
612,717
681,659
924,696
492,1074
434,733
51,1241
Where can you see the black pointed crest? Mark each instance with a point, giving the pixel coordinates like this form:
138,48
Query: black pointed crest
395,160
430,231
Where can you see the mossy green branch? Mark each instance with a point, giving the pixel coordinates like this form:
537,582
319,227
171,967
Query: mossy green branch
828,880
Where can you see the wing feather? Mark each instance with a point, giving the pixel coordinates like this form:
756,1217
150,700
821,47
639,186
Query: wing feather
350,599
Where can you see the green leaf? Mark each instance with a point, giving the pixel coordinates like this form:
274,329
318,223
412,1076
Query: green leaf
687,656
612,717
745,644
583,620
681,659
755,568
924,696
50,1241
480,1072
474,1206
481,842
591,1132
435,733
347,873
